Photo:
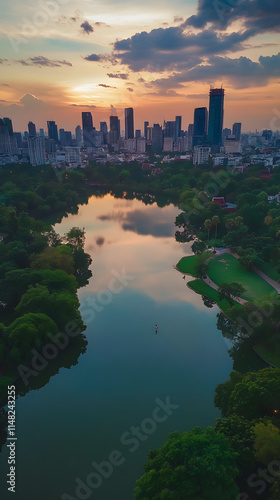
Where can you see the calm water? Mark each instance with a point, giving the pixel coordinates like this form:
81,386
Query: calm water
80,416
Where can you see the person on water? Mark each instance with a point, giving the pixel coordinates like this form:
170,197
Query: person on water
156,329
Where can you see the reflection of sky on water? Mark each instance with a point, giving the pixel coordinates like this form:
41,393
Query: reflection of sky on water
131,228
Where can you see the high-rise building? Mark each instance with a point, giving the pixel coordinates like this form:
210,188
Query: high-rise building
216,118
8,123
42,132
146,124
52,131
236,130
78,135
104,132
18,137
62,136
88,129
129,123
137,134
190,137
168,144
31,129
36,150
5,144
114,134
226,133
178,127
200,126
157,138
141,145
169,129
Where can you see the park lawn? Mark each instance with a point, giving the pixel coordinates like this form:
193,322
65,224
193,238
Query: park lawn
187,265
226,269
269,268
269,352
201,287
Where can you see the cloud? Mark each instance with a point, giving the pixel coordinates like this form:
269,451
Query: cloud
83,105
255,14
93,57
122,76
241,72
87,28
100,240
2,100
105,86
30,99
4,84
130,89
3,61
99,23
173,48
113,110
42,61
142,222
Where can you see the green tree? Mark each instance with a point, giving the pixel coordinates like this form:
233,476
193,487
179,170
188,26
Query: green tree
216,220
267,442
230,291
194,465
208,225
76,237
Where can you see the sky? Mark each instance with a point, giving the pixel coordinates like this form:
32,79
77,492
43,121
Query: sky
60,57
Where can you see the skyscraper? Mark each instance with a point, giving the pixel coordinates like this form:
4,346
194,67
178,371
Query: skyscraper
200,126
216,118
32,129
36,150
114,134
178,127
8,123
52,131
157,138
129,123
236,130
146,124
78,134
87,129
169,130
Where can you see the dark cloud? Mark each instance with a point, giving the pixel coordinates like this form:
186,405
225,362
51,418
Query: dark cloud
255,14
87,28
99,23
173,48
2,100
241,72
122,76
113,110
2,61
4,84
93,57
178,19
130,89
105,86
100,240
41,61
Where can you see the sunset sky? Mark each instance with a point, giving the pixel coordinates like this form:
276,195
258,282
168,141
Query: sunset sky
59,58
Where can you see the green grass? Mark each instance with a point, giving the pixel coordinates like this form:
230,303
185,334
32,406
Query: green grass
269,268
226,269
269,352
201,287
187,265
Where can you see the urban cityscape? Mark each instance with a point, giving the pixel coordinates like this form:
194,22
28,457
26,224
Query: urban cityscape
205,140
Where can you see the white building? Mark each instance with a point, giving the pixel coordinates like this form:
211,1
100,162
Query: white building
36,150
231,145
201,155
73,156
130,145
141,145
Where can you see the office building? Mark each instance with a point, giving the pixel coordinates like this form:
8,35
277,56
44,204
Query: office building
18,138
216,118
42,132
141,145
226,133
200,126
52,131
190,137
231,145
146,124
168,144
88,129
201,155
137,134
169,129
178,127
8,123
5,143
62,136
236,131
104,132
157,138
31,129
129,123
78,135
114,133
36,150
73,156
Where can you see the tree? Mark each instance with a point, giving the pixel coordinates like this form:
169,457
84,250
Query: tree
250,258
253,395
195,465
198,247
208,226
240,435
267,442
76,237
54,258
216,221
230,291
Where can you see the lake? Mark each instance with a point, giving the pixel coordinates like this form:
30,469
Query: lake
114,403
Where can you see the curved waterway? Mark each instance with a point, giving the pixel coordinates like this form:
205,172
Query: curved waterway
115,402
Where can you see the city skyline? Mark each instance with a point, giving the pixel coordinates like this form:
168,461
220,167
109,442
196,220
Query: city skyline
57,61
